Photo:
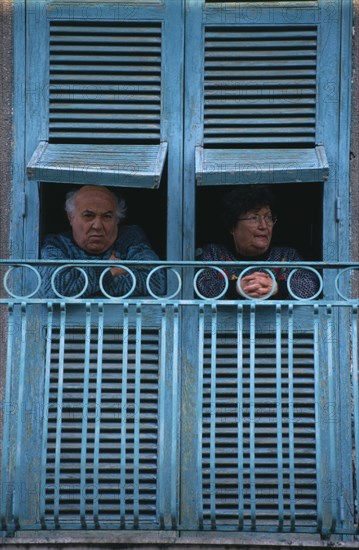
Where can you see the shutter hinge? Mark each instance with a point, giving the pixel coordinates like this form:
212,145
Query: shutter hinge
338,209
23,204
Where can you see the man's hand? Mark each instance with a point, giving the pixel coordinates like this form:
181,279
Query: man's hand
257,285
116,271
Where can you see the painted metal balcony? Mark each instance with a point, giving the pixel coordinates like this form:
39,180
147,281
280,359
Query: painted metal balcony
178,412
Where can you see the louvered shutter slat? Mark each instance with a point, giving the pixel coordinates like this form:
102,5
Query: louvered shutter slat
258,45
80,49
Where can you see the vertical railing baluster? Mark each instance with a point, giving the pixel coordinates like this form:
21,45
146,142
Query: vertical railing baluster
175,393
124,395
137,417
20,419
355,382
212,444
162,416
200,415
98,414
42,508
317,401
6,480
291,417
332,401
252,396
278,348
85,412
240,460
60,386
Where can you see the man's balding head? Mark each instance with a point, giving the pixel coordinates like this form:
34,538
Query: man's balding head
94,212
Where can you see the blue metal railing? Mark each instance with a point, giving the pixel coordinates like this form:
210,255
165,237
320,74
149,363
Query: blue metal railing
179,269
95,398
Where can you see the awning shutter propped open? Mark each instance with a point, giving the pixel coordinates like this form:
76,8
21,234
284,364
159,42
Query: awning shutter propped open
251,166
115,165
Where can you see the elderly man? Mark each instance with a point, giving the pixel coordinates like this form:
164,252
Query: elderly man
94,214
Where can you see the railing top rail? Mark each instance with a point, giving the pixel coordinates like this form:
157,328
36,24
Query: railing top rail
181,263
208,302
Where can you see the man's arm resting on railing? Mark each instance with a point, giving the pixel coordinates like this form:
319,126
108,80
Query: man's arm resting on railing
70,282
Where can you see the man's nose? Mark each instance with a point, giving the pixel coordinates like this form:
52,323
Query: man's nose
96,222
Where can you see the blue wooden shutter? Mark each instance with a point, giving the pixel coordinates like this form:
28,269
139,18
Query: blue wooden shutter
264,75
260,96
113,459
254,474
105,101
66,455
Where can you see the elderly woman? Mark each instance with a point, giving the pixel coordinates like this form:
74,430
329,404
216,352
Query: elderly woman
249,215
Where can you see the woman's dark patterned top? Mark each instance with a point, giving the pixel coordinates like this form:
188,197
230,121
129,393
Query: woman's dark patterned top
304,283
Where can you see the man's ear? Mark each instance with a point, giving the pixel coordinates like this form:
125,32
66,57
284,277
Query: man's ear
69,218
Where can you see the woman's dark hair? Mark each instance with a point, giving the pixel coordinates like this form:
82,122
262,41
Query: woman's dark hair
243,198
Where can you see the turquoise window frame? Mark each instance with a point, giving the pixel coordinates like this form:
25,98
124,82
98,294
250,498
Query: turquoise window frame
30,100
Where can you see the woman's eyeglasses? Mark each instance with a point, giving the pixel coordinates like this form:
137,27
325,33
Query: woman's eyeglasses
256,220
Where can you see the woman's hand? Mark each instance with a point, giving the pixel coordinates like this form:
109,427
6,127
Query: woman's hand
257,285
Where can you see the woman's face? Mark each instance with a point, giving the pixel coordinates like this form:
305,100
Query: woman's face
252,236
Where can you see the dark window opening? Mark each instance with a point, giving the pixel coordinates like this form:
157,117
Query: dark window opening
299,211
145,207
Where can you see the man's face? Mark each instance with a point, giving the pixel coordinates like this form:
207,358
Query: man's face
94,223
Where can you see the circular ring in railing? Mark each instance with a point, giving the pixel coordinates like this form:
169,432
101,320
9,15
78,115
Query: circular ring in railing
12,294
57,271
157,269
316,294
337,283
225,278
241,291
124,295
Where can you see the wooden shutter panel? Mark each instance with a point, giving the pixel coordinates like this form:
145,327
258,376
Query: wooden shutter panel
104,119
259,102
240,458
110,478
